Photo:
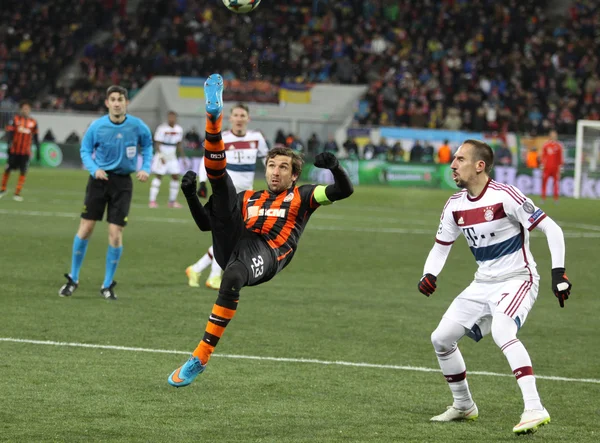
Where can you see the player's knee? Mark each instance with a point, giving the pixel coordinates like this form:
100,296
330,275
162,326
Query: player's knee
441,342
156,181
235,278
86,227
504,329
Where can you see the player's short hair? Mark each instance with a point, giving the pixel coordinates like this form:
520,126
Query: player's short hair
483,152
118,89
172,113
297,161
241,105
24,103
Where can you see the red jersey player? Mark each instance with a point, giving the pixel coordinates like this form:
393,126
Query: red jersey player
552,160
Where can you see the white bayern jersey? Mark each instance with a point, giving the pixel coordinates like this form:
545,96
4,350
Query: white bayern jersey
167,137
496,225
242,153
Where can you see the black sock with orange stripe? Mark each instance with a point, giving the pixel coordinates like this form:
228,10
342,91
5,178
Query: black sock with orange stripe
215,160
4,181
222,313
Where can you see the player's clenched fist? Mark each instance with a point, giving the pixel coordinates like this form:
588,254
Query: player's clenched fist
427,284
326,160
188,184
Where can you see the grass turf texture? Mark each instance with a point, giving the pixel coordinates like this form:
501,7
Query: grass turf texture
350,294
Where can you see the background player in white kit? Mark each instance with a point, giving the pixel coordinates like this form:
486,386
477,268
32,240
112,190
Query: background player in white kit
496,220
167,141
242,147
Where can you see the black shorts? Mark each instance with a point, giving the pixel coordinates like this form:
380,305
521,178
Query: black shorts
17,161
116,192
260,260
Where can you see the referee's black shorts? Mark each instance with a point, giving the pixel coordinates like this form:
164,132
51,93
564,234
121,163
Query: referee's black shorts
114,194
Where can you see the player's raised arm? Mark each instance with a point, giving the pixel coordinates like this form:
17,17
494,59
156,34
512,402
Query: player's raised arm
86,150
447,233
531,217
188,187
342,186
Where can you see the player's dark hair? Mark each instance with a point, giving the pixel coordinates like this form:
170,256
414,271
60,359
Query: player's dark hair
171,113
118,89
297,161
483,152
24,102
241,105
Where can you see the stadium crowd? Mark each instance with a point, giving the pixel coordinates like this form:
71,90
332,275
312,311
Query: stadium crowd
456,64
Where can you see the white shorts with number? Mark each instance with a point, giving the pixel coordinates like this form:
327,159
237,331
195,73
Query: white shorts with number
170,166
480,301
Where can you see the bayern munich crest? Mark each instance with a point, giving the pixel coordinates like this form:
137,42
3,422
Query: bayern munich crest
488,214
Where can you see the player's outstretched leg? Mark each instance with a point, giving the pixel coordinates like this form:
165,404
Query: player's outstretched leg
235,277
215,160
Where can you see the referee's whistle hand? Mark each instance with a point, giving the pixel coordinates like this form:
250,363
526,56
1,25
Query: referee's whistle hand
142,176
101,174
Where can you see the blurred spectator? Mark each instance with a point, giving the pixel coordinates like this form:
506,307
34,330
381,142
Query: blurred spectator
532,159
416,152
503,156
369,150
428,153
192,139
331,145
351,148
313,145
280,138
396,153
49,136
73,138
445,153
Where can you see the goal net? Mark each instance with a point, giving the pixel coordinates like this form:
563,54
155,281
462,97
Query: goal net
587,158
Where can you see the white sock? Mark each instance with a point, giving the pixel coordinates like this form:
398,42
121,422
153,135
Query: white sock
202,264
504,331
451,361
520,364
154,188
215,269
454,369
173,190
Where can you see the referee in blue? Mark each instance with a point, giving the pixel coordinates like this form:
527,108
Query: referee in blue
114,140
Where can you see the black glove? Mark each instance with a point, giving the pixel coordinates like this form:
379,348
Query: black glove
427,284
561,286
326,160
202,192
188,184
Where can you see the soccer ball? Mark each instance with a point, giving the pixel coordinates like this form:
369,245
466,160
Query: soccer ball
241,6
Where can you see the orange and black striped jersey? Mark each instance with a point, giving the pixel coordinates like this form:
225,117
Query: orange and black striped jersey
22,131
279,218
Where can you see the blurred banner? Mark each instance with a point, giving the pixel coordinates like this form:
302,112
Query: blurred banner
378,172
235,90
51,155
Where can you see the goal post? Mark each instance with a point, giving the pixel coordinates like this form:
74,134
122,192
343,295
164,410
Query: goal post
587,152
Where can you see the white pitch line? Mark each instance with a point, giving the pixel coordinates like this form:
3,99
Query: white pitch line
313,227
283,359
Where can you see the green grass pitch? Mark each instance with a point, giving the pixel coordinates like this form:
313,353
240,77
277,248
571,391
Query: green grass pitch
349,296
